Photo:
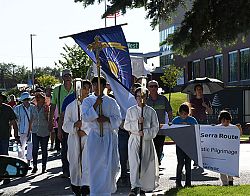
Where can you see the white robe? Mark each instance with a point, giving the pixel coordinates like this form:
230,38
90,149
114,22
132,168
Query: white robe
73,154
103,157
149,166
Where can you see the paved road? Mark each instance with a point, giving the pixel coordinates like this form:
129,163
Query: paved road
51,184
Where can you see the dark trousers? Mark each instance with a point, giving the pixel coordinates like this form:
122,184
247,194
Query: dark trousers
65,163
57,141
159,143
123,137
4,146
43,141
182,160
4,150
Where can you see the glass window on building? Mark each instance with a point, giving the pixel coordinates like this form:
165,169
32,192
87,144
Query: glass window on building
245,64
209,67
233,66
166,60
163,36
218,67
195,69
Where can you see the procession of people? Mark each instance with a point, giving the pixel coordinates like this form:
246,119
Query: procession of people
89,123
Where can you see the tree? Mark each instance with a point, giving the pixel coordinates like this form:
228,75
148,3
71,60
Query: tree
45,80
206,23
76,60
6,69
170,76
22,74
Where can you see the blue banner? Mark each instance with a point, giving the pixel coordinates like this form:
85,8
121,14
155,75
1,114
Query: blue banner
114,56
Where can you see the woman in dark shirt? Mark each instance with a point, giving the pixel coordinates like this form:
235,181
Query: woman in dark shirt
200,105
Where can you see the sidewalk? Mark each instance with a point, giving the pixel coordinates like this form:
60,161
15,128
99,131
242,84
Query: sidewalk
51,184
199,177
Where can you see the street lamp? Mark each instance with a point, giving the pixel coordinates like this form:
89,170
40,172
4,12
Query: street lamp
32,63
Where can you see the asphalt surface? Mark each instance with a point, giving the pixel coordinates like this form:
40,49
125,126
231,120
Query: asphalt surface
51,184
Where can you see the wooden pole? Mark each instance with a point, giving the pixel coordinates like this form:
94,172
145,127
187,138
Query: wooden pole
77,89
97,47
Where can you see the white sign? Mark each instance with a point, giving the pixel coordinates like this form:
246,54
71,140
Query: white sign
220,147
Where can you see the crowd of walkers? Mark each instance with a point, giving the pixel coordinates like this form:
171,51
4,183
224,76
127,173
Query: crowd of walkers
99,148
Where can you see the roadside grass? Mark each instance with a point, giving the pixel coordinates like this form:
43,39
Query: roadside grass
176,100
242,138
209,190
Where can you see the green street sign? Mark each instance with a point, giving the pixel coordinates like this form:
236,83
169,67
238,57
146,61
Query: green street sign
133,45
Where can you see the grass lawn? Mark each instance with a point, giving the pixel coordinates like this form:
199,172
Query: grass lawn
176,100
242,138
211,190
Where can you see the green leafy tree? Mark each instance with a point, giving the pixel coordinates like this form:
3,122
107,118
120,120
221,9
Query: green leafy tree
22,74
45,80
170,76
206,23
75,59
13,91
7,68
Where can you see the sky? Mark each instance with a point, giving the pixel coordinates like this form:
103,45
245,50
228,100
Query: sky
51,19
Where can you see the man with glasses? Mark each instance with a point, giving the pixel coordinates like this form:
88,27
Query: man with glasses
59,93
23,113
164,112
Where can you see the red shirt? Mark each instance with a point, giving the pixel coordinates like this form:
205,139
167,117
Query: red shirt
199,112
12,103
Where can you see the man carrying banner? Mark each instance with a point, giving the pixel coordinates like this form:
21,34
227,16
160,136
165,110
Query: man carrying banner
102,151
146,178
77,152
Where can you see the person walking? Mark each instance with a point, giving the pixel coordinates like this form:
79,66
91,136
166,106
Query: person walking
164,112
182,158
8,119
58,95
12,102
23,113
77,151
144,171
40,131
102,149
123,137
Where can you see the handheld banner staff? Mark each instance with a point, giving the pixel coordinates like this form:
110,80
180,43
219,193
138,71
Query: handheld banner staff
77,88
143,93
97,46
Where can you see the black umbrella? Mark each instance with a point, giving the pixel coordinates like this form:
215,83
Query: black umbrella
210,85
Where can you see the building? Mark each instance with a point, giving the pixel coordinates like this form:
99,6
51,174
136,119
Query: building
231,65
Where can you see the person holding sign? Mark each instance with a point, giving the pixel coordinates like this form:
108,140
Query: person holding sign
182,157
225,119
144,125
